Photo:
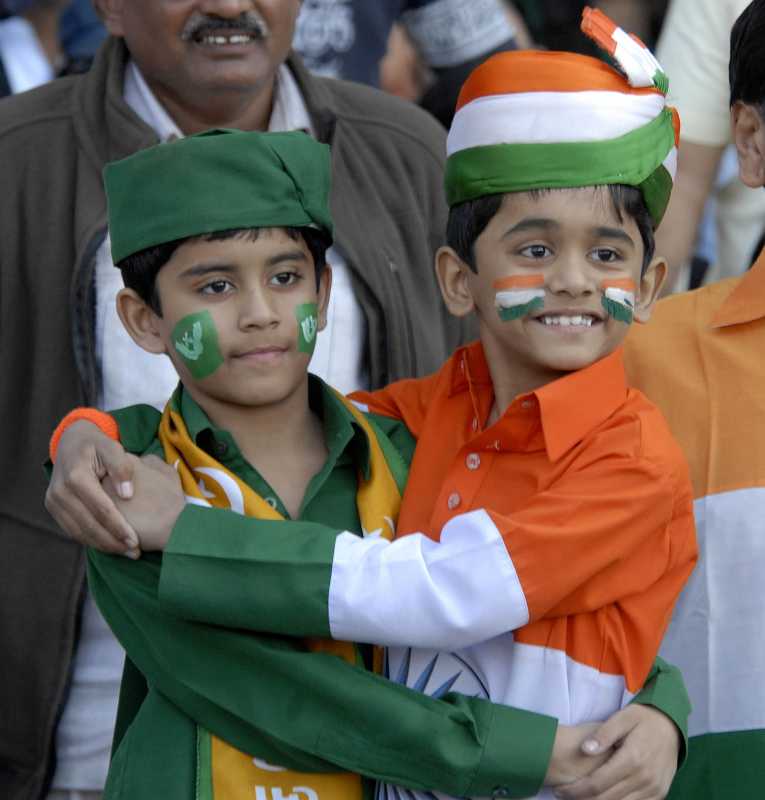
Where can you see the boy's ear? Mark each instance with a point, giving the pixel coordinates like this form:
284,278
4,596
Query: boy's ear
453,279
325,289
748,130
139,321
650,286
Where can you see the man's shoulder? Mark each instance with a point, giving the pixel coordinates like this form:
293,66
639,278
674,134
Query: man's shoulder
47,106
383,116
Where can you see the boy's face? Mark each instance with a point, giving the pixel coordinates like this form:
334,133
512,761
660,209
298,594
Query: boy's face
239,318
552,256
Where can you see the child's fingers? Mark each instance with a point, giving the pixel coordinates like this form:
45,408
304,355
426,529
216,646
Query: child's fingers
611,732
86,513
118,465
76,520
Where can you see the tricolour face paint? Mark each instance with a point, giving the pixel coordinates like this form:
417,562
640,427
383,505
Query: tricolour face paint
307,315
619,299
195,338
519,295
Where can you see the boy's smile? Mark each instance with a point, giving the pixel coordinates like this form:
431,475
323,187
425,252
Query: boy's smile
243,300
542,265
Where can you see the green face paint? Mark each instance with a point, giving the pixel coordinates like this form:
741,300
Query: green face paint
196,340
307,315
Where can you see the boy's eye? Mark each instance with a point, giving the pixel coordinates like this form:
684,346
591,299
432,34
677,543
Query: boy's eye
604,254
217,287
536,251
285,278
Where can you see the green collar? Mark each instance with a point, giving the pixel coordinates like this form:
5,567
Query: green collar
342,434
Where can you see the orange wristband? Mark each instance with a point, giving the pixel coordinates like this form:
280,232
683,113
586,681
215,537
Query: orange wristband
103,421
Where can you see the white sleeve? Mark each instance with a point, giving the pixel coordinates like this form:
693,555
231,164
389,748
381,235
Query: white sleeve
417,592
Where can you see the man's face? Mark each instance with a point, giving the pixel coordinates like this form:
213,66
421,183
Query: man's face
201,46
564,245
240,317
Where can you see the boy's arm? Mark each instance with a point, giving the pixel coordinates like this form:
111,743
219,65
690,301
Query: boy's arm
267,696
488,574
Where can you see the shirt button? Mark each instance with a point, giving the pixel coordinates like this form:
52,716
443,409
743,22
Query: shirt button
453,501
500,791
473,461
474,424
271,501
220,449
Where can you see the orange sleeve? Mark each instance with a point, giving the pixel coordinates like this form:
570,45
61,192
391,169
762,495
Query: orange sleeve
405,400
105,422
611,525
608,547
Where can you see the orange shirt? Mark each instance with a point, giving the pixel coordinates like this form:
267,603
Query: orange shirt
587,489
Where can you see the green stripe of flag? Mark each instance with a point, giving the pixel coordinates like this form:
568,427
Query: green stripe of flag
722,766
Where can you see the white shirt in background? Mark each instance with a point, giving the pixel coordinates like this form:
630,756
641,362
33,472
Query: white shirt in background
24,59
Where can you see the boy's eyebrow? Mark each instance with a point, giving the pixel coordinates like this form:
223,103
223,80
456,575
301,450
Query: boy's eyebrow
533,223
605,232
205,268
291,255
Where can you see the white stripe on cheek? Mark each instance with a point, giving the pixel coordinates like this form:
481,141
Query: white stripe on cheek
518,297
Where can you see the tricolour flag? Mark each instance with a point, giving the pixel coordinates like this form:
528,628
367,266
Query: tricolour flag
619,298
519,295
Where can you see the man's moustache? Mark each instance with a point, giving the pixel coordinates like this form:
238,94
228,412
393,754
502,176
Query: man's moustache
201,25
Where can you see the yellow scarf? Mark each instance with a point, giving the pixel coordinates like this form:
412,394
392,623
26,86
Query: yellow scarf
234,775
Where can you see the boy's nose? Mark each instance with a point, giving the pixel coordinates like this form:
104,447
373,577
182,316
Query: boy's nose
255,310
573,277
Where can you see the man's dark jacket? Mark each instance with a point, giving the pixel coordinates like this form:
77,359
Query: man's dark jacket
387,202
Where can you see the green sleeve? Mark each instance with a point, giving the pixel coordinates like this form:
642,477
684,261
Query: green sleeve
665,690
264,575
312,711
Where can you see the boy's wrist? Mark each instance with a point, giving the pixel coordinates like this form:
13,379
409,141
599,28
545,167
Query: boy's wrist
103,421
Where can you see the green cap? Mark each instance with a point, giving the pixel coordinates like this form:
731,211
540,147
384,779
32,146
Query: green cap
215,181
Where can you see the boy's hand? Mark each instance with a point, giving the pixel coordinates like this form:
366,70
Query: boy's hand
156,503
75,497
645,744
569,761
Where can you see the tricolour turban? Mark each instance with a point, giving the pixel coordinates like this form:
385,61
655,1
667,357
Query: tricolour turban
531,119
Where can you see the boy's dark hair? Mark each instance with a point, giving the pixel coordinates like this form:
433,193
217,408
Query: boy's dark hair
746,70
468,220
139,271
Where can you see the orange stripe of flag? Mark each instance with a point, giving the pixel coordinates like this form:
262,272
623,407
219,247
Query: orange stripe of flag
619,283
599,28
519,282
518,71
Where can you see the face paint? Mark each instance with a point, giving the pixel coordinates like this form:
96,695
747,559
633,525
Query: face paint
307,315
519,295
619,299
196,341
